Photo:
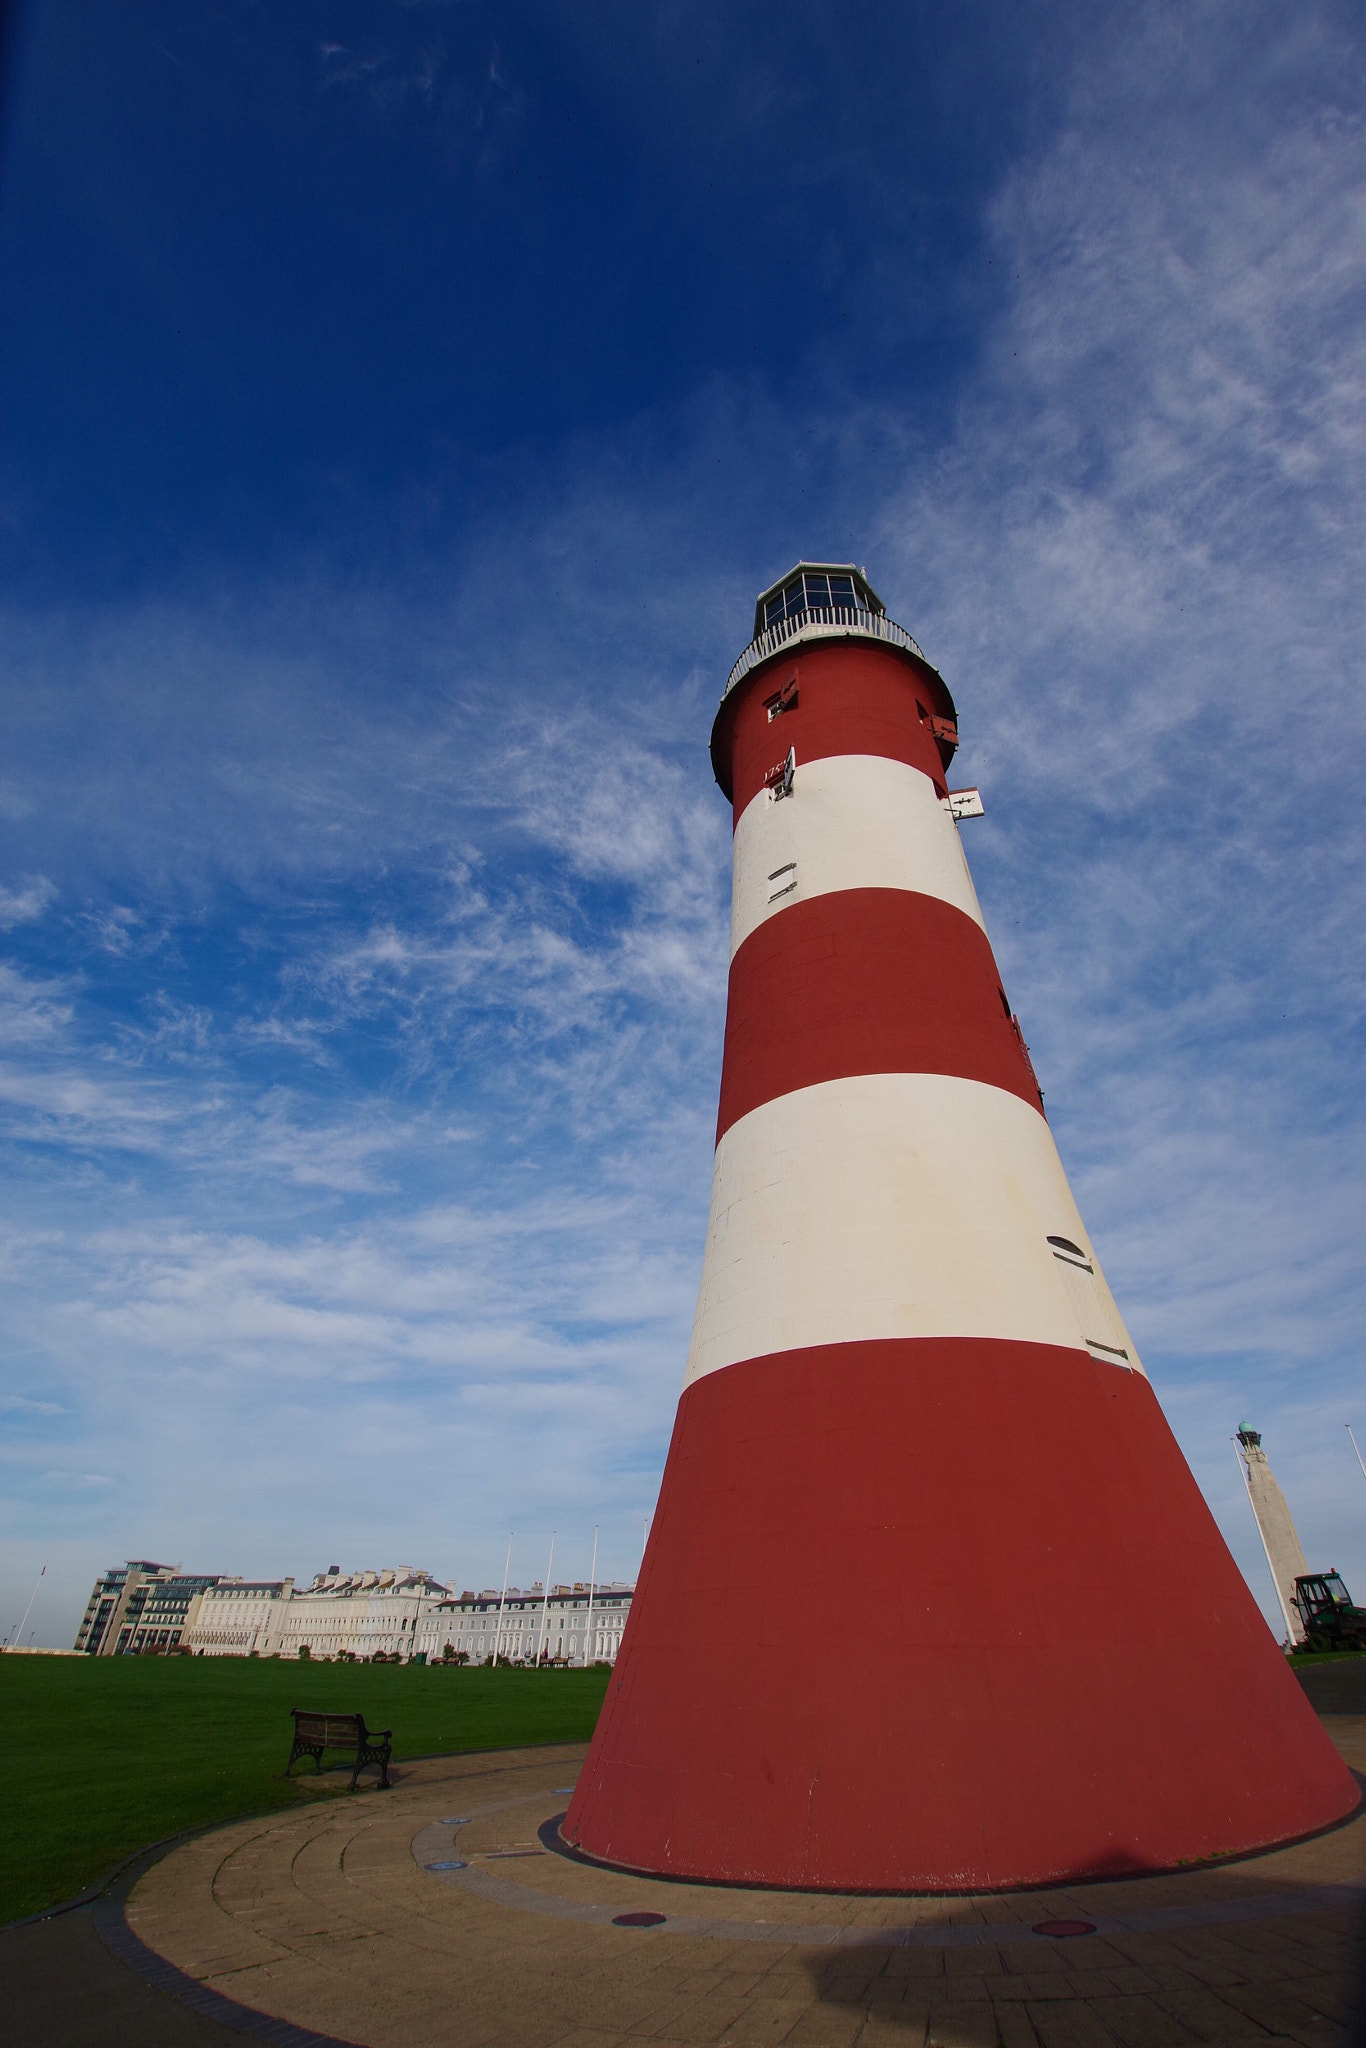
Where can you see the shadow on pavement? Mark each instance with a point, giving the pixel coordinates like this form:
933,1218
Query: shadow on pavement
61,1988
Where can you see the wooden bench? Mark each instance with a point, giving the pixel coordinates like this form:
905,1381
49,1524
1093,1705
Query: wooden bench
314,1733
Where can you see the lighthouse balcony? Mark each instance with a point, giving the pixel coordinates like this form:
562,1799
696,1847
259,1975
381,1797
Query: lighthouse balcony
818,601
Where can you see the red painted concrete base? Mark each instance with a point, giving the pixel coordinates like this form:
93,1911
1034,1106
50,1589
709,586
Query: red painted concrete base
936,1615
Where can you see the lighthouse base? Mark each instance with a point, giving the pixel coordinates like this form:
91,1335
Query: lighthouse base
939,1615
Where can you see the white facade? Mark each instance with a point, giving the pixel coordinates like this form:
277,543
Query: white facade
238,1618
408,1614
578,1624
356,1615
403,1613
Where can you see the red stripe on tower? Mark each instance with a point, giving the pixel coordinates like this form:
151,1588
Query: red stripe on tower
906,1619
866,981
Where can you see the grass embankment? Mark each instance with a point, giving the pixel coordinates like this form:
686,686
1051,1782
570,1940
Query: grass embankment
110,1753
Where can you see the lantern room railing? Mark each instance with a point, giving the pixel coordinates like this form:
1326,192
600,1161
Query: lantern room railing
833,622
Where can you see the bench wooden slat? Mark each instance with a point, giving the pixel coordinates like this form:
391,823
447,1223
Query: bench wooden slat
329,1728
315,1732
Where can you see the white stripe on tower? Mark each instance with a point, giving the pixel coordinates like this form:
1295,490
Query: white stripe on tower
863,822
860,1209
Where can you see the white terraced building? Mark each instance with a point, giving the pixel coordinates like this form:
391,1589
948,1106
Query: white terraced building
578,1624
239,1618
401,1612
355,1614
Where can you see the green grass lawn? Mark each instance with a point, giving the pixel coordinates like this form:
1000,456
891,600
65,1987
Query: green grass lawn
109,1753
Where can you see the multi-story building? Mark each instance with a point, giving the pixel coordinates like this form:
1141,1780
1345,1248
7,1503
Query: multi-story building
240,1618
578,1624
359,1614
403,1612
142,1606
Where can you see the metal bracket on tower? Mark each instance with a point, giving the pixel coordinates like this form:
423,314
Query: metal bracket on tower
778,781
964,803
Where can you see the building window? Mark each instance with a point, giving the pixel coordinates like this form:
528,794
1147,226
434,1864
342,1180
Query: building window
782,881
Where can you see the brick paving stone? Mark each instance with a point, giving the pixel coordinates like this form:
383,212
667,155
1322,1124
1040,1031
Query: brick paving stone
1095,1984
968,2026
893,1994
1288,2012
956,1991
882,2030
1069,2025
1018,1990
765,2020
1205,2015
1217,1972
845,1987
1090,1954
664,2021
1014,2027
826,2026
973,1962
1140,2022
1036,1959
785,1983
588,2037
711,2015
1131,1981
915,1962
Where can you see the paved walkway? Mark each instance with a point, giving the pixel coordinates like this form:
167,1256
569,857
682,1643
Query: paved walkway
436,1914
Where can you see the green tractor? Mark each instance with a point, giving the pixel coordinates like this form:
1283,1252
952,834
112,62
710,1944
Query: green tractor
1330,1620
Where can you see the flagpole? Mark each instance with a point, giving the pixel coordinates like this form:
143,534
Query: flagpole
545,1602
19,1632
592,1588
503,1598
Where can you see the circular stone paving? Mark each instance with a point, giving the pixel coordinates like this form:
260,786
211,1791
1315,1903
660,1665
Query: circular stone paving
436,1913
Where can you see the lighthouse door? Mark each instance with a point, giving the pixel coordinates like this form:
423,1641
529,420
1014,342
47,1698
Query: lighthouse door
1098,1328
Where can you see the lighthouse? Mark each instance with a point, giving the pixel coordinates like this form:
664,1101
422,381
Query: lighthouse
931,1600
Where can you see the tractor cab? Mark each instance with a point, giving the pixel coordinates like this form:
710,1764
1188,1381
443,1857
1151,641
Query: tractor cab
1330,1620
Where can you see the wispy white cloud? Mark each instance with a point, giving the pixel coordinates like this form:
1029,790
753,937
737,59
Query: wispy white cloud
393,1220
28,899
33,1010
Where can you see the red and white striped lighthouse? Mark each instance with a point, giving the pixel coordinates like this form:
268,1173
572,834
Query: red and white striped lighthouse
931,1599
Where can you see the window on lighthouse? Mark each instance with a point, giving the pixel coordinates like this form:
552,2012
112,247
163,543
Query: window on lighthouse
1089,1305
816,590
789,600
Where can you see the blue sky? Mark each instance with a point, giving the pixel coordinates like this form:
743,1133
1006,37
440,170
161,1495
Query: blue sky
400,406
